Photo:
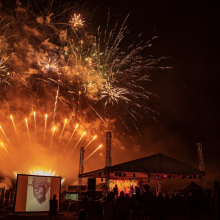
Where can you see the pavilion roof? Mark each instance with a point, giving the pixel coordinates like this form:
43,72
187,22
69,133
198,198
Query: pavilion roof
157,165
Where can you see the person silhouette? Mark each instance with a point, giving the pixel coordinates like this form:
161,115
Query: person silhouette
53,207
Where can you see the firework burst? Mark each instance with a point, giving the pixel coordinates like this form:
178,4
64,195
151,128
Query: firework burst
69,70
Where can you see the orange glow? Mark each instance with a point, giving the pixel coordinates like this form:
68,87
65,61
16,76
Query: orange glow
43,172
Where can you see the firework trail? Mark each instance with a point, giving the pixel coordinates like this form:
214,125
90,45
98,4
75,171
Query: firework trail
77,143
35,125
26,121
90,141
55,107
70,138
5,136
86,146
54,128
45,128
97,113
15,128
62,132
93,152
7,152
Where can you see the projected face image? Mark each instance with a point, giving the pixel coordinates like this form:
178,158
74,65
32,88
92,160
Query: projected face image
38,194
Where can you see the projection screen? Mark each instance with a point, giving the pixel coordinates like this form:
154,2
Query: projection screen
34,192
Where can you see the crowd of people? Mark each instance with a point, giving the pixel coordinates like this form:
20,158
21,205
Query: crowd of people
143,205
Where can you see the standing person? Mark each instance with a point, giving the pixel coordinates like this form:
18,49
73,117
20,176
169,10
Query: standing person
190,206
107,207
136,205
215,201
115,189
53,207
149,202
161,206
82,215
85,204
121,206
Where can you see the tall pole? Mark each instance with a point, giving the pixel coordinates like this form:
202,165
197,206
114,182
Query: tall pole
81,170
201,166
108,160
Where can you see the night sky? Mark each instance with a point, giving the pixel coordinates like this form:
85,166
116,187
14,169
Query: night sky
188,94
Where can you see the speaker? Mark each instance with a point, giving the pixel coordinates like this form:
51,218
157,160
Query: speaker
91,182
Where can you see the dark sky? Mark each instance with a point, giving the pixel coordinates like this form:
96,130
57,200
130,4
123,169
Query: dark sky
188,94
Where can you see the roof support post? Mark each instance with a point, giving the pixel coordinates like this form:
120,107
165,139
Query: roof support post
108,160
81,170
201,166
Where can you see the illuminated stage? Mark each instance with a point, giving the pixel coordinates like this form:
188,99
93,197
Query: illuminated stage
154,167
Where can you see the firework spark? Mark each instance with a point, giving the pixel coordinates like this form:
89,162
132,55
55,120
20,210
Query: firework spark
76,21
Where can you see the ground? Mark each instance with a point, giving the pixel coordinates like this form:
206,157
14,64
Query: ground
69,216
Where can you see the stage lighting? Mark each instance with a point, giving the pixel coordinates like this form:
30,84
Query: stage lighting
119,174
200,177
101,179
105,173
116,173
183,176
194,176
149,175
133,174
124,174
156,176
169,176
99,174
190,177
